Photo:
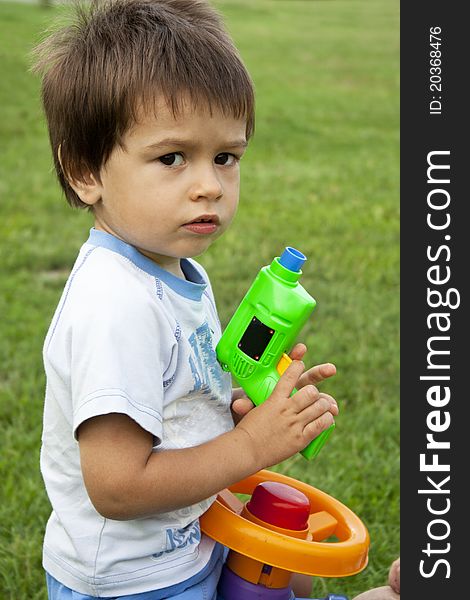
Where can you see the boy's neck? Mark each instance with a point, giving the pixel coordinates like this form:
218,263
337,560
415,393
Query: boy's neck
172,265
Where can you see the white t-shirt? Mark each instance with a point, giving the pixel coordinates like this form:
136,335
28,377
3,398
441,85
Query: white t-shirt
128,337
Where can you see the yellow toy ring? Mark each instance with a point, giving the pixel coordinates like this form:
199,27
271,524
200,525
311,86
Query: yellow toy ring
311,556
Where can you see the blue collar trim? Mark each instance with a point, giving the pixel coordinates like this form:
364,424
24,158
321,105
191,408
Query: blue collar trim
192,287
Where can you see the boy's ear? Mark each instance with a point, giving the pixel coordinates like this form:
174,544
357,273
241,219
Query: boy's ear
87,188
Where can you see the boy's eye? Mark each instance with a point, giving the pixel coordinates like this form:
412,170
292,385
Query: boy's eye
224,158
174,159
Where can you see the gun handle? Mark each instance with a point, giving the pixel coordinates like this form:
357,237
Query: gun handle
317,444
312,450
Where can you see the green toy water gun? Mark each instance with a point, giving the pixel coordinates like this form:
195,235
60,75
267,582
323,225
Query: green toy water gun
264,327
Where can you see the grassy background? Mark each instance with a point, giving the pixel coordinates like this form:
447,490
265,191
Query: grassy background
321,174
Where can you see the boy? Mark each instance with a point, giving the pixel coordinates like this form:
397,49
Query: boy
149,109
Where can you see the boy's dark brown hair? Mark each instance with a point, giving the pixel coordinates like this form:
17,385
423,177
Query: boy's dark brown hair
120,55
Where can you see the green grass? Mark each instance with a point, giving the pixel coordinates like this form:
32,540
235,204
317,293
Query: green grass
321,174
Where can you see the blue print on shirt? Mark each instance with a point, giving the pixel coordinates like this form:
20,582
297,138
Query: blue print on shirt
206,371
180,538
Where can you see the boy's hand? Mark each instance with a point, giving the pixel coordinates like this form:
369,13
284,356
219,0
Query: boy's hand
284,425
241,404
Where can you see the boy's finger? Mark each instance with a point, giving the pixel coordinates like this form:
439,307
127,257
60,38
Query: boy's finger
309,396
298,352
317,374
334,409
315,427
242,406
290,378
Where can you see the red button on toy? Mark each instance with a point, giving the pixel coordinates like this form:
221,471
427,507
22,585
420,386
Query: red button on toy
280,505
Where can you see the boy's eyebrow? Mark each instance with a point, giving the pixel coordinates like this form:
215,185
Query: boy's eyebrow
166,142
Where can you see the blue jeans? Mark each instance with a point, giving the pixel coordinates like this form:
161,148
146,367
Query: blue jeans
203,586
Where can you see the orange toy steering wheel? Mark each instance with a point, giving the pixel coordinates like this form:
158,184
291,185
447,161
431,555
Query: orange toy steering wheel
328,517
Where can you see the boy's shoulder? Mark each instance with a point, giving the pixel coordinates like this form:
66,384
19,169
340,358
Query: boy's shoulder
112,280
107,297
103,281
103,270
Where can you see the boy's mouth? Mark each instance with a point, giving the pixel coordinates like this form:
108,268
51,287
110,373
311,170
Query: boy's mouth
203,225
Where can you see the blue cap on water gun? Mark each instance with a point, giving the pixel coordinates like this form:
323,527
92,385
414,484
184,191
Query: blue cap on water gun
292,259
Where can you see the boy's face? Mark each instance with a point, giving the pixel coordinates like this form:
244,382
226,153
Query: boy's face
173,187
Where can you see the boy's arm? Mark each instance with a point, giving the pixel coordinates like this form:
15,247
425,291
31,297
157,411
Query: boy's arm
125,479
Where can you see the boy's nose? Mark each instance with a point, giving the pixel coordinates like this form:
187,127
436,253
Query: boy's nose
206,185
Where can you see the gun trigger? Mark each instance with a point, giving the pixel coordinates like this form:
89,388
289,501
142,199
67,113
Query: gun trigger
283,363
